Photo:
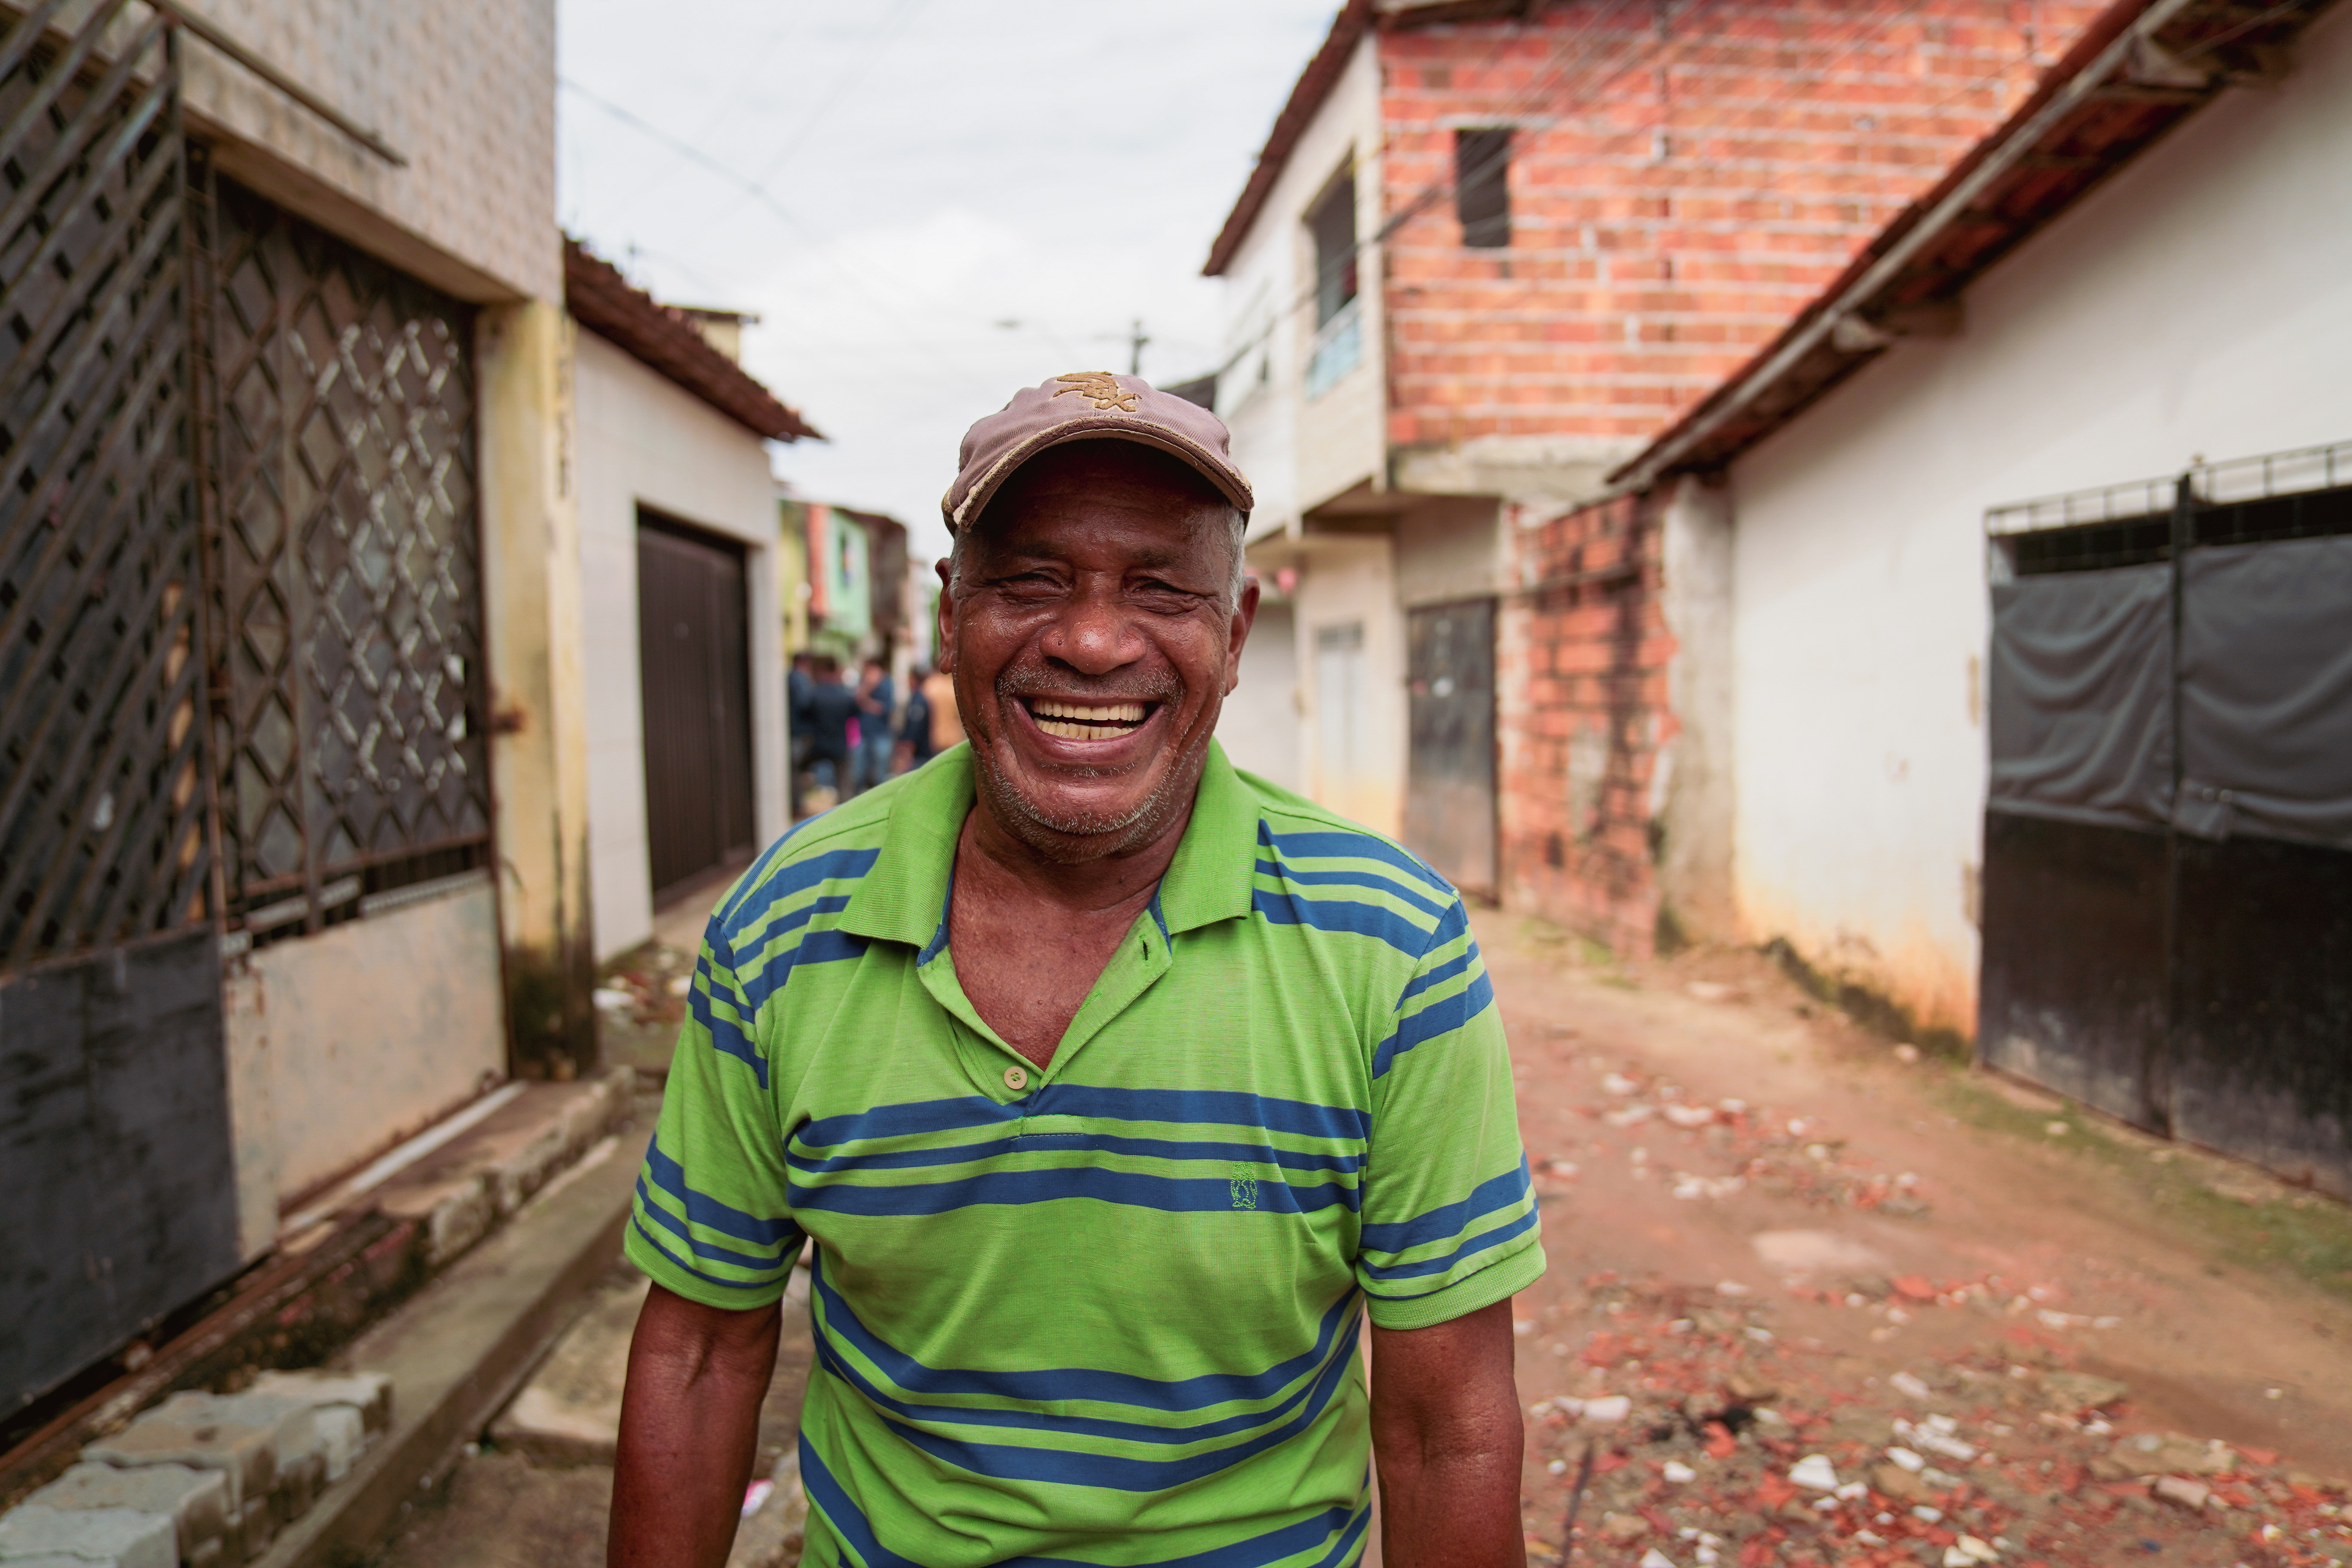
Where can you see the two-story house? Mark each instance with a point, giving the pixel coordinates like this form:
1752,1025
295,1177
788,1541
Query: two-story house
1490,248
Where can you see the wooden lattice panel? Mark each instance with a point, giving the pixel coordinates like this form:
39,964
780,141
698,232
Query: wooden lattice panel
103,799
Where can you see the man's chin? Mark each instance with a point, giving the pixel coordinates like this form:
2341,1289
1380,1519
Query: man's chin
1071,825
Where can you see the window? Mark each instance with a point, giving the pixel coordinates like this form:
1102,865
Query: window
1338,340
1482,186
1332,222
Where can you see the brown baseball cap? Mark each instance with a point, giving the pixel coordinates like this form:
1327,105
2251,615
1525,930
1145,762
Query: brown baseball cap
1087,406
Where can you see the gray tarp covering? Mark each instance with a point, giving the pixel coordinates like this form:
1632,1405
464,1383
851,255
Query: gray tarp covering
2266,691
2081,719
2081,689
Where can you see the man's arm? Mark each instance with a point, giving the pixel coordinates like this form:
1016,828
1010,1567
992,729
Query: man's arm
1446,1433
689,1430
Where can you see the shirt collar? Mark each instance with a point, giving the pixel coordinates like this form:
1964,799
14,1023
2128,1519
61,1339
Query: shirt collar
904,897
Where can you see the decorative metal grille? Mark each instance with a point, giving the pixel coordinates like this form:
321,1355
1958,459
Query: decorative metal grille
103,797
348,672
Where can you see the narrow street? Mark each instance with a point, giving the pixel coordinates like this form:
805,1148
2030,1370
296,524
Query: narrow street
1812,1299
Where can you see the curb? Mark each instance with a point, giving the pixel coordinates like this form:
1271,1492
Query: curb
458,1351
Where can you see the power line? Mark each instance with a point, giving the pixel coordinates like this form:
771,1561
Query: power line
842,83
749,188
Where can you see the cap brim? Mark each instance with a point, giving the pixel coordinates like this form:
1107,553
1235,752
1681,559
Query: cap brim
1144,432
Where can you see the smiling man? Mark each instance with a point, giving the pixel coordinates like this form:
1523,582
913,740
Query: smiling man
1115,1089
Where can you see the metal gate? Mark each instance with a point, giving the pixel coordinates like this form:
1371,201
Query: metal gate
349,696
1449,811
2168,874
696,673
117,1195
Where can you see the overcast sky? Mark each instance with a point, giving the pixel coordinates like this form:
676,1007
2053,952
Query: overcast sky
938,168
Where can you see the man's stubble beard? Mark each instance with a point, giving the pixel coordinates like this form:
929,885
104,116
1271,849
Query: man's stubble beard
1049,835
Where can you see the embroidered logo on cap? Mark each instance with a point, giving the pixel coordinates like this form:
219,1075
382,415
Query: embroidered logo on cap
1101,387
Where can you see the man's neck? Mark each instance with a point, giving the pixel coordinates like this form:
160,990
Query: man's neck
990,850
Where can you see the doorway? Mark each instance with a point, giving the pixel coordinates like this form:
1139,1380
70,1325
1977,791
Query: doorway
695,679
1449,804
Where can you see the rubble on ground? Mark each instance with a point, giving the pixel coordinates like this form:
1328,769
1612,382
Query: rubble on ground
1723,1442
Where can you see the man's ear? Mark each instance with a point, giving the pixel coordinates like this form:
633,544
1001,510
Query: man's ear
1244,616
943,630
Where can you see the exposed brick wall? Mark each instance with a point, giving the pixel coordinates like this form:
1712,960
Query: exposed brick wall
1582,659
1702,169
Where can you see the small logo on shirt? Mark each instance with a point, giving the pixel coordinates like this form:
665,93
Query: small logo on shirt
1243,1184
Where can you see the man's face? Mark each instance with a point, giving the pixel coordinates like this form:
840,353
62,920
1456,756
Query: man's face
1092,642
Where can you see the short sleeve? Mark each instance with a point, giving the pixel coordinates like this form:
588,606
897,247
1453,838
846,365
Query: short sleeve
712,1216
1449,1214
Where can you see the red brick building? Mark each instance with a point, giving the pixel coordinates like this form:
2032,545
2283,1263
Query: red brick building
1489,252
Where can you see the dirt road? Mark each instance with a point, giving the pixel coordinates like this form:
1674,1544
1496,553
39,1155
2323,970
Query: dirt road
1812,1299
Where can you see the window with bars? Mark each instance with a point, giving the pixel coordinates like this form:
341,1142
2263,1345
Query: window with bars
348,685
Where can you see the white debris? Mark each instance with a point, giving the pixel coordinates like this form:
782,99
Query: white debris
1814,1473
1618,1083
1976,1550
1934,1434
1927,1515
609,1000
1607,1411
1557,1468
1690,1115
1629,1116
1907,1460
1677,1472
1730,1287
1689,1187
1905,1384
1653,1558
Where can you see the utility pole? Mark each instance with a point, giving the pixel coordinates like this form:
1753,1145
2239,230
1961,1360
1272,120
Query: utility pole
1135,342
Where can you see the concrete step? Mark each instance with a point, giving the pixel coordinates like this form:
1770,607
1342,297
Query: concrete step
459,1179
457,1352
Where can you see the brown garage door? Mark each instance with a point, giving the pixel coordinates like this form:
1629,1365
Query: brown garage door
696,678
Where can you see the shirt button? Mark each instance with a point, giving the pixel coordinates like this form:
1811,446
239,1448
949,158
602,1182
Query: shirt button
1015,1079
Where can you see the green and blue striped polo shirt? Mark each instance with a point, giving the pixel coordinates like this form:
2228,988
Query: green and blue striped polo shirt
1104,1312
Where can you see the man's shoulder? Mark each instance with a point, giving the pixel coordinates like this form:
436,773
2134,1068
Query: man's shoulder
1321,873
812,868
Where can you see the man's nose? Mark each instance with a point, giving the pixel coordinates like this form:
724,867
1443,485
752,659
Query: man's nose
1094,636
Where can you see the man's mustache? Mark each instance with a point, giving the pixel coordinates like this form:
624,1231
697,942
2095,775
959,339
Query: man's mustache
1146,685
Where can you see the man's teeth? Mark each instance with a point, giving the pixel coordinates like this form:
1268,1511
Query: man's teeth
1086,721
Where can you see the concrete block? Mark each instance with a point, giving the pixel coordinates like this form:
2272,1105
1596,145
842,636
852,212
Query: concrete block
246,1456
294,1434
118,1537
527,1169
368,1392
341,1435
250,1532
196,1500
